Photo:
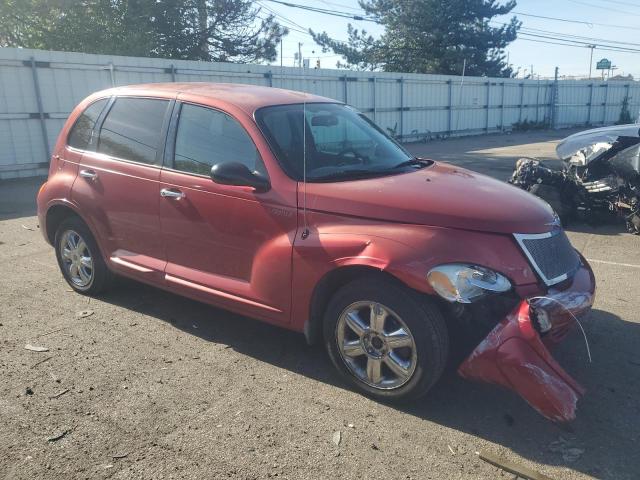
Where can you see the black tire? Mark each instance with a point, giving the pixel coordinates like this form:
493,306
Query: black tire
101,276
419,313
553,197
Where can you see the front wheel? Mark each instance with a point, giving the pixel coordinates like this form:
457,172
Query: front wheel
388,341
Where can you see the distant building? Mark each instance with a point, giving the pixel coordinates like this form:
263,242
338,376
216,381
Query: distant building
622,78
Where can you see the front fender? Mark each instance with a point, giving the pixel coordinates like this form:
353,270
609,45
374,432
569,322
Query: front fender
407,252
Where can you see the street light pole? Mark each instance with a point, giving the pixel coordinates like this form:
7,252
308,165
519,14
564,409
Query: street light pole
592,47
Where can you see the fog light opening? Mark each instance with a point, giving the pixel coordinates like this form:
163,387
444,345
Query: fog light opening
541,320
584,334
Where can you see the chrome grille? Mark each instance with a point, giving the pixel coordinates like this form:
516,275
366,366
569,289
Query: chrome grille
550,254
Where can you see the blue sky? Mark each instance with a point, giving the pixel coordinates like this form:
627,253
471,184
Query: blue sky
522,53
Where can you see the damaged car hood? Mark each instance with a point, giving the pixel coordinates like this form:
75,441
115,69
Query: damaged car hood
438,195
591,143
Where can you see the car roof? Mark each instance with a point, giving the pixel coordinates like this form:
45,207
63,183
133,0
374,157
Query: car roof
247,97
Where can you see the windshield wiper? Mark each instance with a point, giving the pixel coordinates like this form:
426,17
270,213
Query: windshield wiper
347,174
411,161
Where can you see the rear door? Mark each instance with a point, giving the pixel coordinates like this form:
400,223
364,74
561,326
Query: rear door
228,245
118,185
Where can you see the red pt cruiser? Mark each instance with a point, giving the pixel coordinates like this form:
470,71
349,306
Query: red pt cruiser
299,211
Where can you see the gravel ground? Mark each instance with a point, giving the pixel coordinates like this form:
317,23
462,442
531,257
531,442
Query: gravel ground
143,384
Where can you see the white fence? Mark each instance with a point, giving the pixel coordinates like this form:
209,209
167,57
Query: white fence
38,89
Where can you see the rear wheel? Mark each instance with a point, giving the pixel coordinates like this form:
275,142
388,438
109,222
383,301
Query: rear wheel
79,257
388,341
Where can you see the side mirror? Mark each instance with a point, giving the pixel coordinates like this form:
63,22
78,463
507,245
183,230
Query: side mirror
236,173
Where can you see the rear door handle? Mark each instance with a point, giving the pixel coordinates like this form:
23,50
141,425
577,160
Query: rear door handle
170,193
88,174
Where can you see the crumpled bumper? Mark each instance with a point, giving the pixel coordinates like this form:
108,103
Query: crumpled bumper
515,356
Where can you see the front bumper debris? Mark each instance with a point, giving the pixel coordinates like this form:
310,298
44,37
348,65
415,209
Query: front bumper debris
515,356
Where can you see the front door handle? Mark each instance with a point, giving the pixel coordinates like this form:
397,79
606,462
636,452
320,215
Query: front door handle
88,174
170,193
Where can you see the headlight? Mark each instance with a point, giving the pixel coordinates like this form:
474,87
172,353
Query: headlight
457,282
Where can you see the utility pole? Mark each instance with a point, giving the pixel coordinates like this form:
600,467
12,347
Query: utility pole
592,47
300,54
554,99
281,42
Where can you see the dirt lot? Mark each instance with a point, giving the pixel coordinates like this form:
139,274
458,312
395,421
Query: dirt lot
151,385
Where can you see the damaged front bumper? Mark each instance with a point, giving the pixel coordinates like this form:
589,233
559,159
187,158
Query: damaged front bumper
515,354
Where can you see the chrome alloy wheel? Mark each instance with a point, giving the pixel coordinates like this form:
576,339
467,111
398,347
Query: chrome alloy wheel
76,259
376,345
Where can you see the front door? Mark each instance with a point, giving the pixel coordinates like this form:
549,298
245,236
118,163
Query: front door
118,186
228,245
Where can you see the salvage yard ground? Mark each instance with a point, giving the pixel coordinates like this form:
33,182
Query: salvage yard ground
144,384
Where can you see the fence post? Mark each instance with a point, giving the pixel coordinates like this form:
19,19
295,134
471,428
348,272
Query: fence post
486,123
112,74
521,102
502,107
626,95
269,77
375,109
449,118
590,103
606,100
401,82
173,73
554,101
344,89
41,115
538,101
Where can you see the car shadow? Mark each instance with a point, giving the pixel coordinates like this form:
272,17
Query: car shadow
609,227
604,435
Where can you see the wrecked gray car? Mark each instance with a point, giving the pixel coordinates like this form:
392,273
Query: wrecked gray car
599,180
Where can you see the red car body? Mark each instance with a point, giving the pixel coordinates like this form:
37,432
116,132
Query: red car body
245,251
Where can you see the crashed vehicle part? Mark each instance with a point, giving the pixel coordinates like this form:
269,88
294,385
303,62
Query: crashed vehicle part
515,355
503,334
600,176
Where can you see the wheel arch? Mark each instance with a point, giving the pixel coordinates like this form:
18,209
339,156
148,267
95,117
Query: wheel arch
55,215
327,286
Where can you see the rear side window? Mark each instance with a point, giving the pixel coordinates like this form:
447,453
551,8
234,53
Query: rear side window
206,137
82,130
132,129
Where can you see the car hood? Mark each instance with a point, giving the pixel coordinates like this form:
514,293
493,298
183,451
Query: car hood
602,138
438,195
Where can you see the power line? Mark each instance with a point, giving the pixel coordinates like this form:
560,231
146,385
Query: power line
573,43
327,2
524,30
583,43
335,13
604,8
291,24
621,3
581,22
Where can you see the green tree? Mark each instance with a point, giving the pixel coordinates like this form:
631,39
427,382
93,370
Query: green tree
625,114
211,30
430,36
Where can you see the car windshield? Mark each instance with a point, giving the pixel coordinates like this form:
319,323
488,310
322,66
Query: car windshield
341,143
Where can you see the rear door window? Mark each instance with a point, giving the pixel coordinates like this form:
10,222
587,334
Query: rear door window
132,129
206,137
82,131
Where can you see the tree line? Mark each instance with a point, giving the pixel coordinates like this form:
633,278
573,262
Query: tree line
420,36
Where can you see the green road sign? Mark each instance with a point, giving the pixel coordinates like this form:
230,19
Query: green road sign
603,64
